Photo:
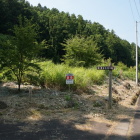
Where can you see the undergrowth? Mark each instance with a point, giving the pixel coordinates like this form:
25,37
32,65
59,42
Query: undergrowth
54,75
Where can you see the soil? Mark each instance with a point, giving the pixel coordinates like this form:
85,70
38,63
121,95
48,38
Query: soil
34,104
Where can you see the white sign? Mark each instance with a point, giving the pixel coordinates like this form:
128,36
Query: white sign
105,68
69,78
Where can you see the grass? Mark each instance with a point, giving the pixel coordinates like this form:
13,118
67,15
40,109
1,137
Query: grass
54,76
124,72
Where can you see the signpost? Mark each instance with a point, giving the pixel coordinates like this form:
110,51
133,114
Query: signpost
105,68
110,68
69,79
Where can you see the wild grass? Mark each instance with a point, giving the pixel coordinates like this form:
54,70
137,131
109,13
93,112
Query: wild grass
124,72
54,75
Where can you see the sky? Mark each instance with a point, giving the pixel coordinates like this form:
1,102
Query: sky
117,15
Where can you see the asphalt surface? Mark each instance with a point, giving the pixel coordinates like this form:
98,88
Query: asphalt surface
50,130
56,129
136,124
121,131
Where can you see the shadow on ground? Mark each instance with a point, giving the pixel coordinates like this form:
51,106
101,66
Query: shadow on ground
135,137
56,129
46,130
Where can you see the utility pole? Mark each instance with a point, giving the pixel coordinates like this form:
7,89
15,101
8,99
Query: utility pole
136,54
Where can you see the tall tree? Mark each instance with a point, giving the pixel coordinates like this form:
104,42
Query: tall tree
17,53
81,51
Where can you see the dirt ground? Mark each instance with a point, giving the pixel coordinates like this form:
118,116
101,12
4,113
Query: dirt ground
35,104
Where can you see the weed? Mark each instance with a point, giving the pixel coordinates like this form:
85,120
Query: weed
68,97
97,104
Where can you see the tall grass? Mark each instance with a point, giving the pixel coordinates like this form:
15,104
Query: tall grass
124,72
87,77
55,75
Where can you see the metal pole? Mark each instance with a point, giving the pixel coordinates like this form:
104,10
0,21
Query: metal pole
69,88
110,88
136,55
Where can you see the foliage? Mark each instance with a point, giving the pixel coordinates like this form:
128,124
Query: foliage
82,52
18,52
54,76
122,66
70,39
124,72
68,97
56,27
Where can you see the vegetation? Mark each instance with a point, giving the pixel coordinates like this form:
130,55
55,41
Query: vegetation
18,52
81,52
57,27
54,75
73,45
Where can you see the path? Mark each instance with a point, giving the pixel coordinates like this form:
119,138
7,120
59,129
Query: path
56,129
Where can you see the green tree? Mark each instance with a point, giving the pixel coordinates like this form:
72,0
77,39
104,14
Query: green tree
81,51
120,50
18,52
56,27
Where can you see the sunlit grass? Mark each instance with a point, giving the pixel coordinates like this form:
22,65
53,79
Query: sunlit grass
55,75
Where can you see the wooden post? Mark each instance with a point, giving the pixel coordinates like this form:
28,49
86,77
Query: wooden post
110,88
110,68
69,88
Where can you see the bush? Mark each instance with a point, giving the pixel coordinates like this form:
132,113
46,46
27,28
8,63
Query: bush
54,76
124,72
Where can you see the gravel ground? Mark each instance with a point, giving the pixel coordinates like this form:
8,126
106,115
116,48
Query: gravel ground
48,104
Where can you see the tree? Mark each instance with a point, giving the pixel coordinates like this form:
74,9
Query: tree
120,50
18,51
56,27
81,51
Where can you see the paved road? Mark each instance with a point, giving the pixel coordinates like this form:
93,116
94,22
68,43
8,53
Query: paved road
56,129
50,130
136,124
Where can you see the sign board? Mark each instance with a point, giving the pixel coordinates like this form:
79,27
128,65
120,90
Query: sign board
110,68
105,68
69,78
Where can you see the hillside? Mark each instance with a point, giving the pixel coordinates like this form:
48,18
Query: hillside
56,27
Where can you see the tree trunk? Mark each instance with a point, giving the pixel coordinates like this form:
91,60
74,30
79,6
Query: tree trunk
19,83
18,86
